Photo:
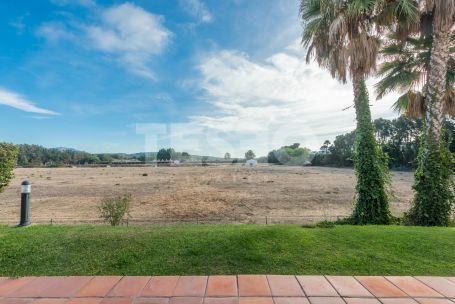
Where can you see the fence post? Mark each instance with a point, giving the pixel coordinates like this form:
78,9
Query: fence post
266,220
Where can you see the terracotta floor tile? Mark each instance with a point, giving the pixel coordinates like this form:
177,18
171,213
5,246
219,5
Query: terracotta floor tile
348,286
84,301
361,301
284,286
36,288
441,285
186,300
433,301
380,287
222,286
50,301
253,286
151,301
99,286
292,300
398,301
191,286
67,286
117,301
326,300
451,279
160,286
51,287
10,285
255,301
413,287
317,286
221,301
15,301
129,287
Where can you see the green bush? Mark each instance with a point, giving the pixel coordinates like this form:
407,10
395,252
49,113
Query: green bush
115,210
8,156
325,224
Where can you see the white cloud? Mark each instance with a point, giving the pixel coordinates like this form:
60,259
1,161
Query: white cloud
85,3
54,32
197,9
278,101
128,33
12,99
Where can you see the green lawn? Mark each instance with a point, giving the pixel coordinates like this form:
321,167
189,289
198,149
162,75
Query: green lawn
226,249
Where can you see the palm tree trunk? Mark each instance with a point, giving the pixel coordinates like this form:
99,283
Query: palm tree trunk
437,79
371,205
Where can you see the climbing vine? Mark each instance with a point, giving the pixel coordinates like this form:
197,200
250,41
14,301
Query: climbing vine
434,200
371,205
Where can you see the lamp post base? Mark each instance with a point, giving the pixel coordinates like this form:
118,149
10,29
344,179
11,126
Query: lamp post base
23,224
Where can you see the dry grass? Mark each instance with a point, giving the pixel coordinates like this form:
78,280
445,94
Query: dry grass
70,195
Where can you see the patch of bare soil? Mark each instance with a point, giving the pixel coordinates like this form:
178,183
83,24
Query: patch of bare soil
217,193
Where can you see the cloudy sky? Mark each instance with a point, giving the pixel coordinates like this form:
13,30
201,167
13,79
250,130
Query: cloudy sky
207,77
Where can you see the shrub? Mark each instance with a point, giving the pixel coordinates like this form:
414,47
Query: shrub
145,174
115,210
8,155
325,224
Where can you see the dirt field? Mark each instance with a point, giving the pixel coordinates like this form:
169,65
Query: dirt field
215,193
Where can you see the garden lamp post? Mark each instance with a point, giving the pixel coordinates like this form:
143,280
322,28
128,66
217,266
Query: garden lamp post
25,203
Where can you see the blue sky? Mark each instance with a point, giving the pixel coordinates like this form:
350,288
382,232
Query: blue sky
207,77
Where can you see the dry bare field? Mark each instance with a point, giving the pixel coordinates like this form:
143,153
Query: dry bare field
228,193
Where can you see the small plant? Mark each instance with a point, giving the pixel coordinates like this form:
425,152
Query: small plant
325,224
115,210
145,174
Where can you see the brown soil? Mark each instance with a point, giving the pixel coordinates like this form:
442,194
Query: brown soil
216,193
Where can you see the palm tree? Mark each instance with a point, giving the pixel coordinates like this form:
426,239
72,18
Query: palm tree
405,70
434,188
443,13
422,66
343,37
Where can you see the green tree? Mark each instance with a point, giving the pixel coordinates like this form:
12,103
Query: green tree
185,156
172,154
8,157
163,154
343,36
249,154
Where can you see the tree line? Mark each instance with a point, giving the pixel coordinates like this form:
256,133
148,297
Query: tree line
399,139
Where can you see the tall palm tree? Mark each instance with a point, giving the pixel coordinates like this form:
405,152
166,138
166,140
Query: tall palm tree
443,13
343,36
434,189
422,66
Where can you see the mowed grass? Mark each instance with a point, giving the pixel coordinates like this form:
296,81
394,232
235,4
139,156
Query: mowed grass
226,249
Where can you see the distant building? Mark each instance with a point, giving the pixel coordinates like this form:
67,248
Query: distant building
251,163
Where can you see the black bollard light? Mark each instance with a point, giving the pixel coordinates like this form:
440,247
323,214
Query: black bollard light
25,203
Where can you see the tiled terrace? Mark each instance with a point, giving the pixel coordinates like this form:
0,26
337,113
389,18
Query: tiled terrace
242,289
